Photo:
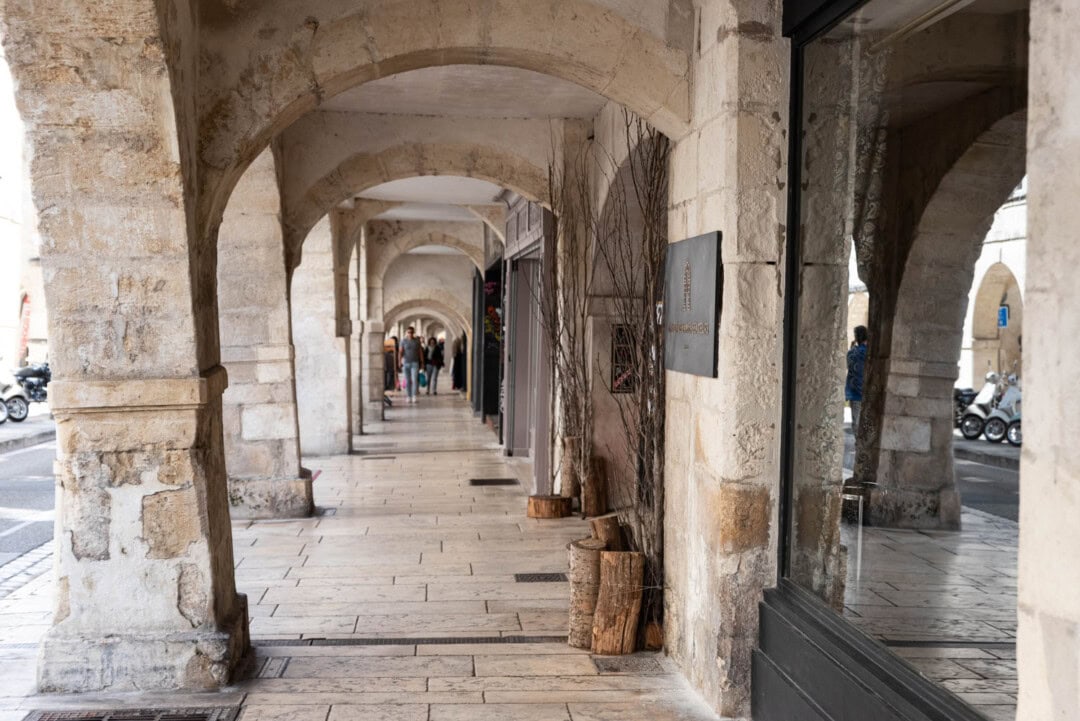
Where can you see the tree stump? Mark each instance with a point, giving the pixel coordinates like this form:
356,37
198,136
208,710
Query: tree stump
584,589
569,483
594,489
608,530
618,606
549,507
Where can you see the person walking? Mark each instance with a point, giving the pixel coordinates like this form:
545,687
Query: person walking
412,360
434,360
856,367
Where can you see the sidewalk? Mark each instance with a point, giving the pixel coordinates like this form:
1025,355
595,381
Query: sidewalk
1001,455
399,601
38,428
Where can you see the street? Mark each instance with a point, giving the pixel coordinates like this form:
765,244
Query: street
989,489
27,497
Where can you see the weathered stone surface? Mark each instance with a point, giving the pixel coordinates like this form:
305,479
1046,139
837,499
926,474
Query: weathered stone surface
743,515
193,600
170,523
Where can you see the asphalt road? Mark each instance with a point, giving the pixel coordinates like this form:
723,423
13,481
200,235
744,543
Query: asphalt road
27,497
989,489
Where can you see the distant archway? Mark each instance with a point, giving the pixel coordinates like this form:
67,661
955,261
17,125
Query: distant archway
997,323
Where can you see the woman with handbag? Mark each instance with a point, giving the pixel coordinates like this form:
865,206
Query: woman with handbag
434,358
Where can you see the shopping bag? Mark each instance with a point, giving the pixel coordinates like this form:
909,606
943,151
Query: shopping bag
423,379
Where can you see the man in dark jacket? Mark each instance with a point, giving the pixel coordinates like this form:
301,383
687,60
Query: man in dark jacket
856,366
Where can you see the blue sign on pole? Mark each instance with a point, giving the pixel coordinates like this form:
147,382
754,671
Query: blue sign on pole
1003,316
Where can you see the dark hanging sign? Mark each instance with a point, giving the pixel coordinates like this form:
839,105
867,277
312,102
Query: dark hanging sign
693,284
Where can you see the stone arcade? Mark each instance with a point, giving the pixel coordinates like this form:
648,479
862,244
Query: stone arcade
239,202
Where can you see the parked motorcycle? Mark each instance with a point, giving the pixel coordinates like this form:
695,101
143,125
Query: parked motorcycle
1005,410
3,413
962,398
975,415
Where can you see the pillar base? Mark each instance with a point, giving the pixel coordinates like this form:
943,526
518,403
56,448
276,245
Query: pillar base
194,660
915,509
264,498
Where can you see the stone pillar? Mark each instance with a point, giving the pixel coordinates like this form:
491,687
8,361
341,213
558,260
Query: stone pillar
374,366
261,436
916,482
145,597
322,351
722,443
1048,646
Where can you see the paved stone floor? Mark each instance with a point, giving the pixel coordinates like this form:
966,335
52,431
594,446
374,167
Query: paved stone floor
415,568
945,601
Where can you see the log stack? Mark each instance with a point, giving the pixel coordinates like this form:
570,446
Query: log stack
606,585
618,606
584,589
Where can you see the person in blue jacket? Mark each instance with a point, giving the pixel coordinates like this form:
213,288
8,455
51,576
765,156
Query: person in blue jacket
856,367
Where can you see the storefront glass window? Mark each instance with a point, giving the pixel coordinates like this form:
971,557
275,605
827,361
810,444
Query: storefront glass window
911,136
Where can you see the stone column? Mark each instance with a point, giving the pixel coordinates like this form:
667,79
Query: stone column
145,597
261,436
722,444
322,350
373,367
917,488
1048,647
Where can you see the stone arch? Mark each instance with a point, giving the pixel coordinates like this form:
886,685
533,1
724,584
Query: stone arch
996,348
915,466
315,53
450,316
416,237
360,172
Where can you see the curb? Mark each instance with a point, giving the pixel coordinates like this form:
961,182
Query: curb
15,444
987,459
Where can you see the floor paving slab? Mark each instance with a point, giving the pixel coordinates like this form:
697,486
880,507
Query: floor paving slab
411,551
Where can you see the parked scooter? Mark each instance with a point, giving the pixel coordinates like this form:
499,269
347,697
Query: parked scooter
31,382
975,415
962,398
14,398
1006,409
1014,435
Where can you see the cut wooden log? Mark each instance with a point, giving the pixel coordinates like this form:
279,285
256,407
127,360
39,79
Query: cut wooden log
608,530
618,606
569,482
549,507
594,489
584,589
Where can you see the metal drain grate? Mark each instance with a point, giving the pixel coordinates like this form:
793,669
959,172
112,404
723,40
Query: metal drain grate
377,458
436,641
493,482
540,577
141,714
274,667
